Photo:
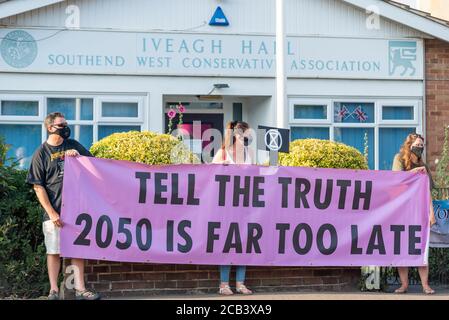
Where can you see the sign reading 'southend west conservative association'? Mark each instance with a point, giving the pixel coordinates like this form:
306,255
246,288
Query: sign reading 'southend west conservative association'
245,214
190,54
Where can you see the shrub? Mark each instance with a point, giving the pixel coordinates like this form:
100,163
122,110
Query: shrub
3,151
442,169
23,270
144,147
322,154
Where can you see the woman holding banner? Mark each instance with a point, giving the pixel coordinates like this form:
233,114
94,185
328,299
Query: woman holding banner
410,159
234,150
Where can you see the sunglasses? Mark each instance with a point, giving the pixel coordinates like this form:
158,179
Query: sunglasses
416,135
60,125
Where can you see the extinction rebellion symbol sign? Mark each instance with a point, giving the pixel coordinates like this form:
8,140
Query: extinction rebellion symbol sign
18,48
273,140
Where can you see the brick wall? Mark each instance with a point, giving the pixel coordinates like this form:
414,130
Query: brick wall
437,97
134,279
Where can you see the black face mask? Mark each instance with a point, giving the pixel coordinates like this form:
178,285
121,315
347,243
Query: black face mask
247,141
63,132
417,151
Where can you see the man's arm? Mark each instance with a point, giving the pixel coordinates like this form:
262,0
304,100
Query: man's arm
42,196
80,150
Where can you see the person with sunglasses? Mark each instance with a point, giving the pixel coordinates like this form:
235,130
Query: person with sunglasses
410,158
235,150
46,174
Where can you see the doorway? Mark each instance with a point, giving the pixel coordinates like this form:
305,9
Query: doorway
209,115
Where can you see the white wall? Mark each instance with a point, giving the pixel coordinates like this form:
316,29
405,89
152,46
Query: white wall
152,88
258,106
304,17
259,111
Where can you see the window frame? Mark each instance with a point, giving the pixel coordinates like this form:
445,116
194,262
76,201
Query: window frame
115,124
311,102
377,124
117,99
399,103
96,121
23,97
77,122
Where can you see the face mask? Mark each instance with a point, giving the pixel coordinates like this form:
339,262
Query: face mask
63,132
247,141
417,151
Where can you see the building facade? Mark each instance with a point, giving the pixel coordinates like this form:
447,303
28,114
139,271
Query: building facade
354,72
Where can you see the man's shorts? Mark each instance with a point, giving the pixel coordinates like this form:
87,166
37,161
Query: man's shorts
51,236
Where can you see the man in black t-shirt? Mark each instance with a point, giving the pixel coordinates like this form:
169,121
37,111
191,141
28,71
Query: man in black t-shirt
45,174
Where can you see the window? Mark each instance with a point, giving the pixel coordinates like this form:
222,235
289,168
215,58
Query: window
350,112
23,140
20,108
384,123
405,112
310,133
70,108
119,114
311,111
65,105
106,130
90,118
390,141
86,134
20,126
87,109
397,113
119,109
79,113
355,137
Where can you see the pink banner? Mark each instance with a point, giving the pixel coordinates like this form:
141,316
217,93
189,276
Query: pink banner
243,215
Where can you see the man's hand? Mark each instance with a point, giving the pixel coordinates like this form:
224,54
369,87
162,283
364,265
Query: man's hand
72,153
419,170
56,219
42,195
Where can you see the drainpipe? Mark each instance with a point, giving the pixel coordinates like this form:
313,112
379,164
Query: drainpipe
281,78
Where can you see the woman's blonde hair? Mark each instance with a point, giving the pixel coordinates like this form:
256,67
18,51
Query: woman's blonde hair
405,154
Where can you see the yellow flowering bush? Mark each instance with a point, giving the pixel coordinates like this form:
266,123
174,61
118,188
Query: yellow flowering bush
317,153
144,147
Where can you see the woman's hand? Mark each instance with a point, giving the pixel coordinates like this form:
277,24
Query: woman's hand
432,214
419,170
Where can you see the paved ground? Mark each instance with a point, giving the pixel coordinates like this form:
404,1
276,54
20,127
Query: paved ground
413,294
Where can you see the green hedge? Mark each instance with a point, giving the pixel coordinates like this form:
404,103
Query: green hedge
23,271
144,147
317,153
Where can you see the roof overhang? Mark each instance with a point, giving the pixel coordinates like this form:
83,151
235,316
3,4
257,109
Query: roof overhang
11,8
386,10
405,17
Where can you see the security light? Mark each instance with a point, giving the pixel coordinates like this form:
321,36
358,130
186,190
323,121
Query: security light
221,85
218,86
